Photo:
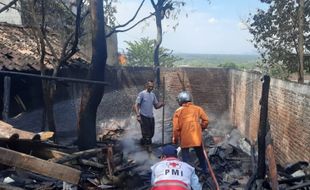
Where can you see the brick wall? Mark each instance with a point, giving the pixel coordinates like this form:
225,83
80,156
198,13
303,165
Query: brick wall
209,87
220,91
288,112
245,93
124,85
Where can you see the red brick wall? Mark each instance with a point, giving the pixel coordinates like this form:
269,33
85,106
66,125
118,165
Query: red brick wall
209,87
220,91
245,93
288,112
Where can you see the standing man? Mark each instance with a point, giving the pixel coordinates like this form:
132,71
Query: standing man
172,174
188,122
145,102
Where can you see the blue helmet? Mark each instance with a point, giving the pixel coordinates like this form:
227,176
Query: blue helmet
184,97
169,150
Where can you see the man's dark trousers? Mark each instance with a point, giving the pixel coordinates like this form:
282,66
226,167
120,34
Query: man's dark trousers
147,128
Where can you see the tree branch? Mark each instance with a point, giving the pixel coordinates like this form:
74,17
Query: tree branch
124,30
74,49
67,8
8,6
125,24
135,15
153,3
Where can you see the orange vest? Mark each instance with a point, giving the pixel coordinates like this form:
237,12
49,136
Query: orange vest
188,122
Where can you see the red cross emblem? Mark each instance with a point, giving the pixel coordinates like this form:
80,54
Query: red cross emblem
174,165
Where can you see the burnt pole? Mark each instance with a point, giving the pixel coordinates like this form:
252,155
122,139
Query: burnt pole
163,116
262,130
6,98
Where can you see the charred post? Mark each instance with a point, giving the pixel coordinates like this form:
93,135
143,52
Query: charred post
261,166
6,98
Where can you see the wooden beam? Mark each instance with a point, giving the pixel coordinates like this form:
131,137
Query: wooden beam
273,174
262,131
59,79
39,166
45,135
47,153
272,165
76,155
7,131
6,97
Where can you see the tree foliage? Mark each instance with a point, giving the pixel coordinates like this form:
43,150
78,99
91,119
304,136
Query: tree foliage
140,53
229,65
110,10
275,34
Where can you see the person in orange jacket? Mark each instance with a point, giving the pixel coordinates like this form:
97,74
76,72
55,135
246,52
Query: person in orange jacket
188,122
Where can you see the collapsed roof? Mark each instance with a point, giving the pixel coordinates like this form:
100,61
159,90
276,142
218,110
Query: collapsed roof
19,50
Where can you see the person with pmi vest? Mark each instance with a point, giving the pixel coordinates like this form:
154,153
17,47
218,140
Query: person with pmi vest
172,174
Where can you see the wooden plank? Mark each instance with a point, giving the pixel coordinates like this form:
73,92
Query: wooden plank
273,174
272,165
47,153
77,155
42,167
7,131
45,135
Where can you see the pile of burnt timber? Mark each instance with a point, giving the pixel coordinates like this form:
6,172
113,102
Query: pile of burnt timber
234,161
30,161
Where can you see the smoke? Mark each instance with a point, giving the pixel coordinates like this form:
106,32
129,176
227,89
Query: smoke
131,144
158,114
118,108
219,125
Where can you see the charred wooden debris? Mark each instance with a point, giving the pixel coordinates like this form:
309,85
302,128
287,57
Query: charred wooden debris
31,161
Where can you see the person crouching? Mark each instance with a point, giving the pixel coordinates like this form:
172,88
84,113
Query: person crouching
172,174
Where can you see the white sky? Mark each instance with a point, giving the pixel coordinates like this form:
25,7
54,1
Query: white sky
214,28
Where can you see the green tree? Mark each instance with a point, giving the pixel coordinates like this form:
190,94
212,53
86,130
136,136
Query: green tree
163,9
229,65
280,33
140,53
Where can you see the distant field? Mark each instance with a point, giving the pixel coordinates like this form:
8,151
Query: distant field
217,60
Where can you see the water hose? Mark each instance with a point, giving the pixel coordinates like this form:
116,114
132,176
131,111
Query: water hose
210,169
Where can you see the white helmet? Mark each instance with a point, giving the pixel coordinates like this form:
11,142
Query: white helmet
184,97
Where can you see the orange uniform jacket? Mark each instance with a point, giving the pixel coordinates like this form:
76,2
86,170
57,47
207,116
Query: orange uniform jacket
188,122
